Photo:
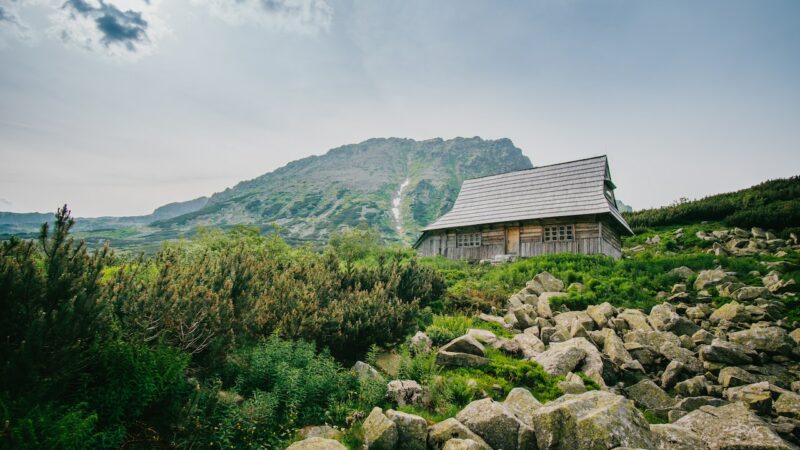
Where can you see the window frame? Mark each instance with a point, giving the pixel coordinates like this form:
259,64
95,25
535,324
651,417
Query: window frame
468,240
558,233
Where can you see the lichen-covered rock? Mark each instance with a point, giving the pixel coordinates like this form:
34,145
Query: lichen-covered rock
692,387
708,278
365,371
456,359
529,345
736,376
593,420
764,339
412,431
756,396
674,437
497,425
649,396
788,405
615,349
592,363
544,282
483,336
635,319
525,316
601,314
567,319
463,444
322,431
316,443
745,293
440,433
726,352
421,343
380,433
732,427
732,312
560,360
407,392
522,404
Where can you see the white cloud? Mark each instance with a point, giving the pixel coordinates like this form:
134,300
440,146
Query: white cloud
302,16
12,27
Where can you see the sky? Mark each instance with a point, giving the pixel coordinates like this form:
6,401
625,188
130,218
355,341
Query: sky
119,106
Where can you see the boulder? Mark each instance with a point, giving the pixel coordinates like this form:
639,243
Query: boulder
766,339
674,373
463,444
561,360
522,404
572,384
407,392
544,282
412,431
725,352
635,319
749,293
497,425
674,437
591,364
439,434
593,420
648,395
421,343
322,431
681,272
601,314
614,348
788,405
454,359
731,427
707,278
567,320
316,443
661,314
756,396
483,336
736,376
366,372
692,387
529,345
731,312
543,305
525,316
380,433
464,344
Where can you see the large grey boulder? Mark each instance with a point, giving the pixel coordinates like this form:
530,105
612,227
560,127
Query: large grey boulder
380,433
522,404
316,443
421,343
528,344
756,396
543,305
732,312
567,319
635,319
544,282
614,348
593,420
649,396
463,444
560,361
592,363
456,359
766,339
601,314
412,431
732,427
707,278
366,372
497,425
440,433
674,437
788,404
725,352
736,376
407,392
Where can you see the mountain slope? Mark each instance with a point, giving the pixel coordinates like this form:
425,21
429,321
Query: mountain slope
312,197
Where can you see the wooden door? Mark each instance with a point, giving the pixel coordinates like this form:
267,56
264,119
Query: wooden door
512,240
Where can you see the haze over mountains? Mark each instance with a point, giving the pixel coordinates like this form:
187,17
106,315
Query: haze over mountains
310,198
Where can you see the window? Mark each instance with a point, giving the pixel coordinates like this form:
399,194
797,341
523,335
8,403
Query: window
469,240
558,233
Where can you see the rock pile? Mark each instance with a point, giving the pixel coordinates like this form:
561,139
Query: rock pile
718,378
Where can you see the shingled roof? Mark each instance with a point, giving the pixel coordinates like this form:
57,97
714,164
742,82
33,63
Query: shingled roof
558,190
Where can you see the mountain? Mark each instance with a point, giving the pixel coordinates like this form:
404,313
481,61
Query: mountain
394,185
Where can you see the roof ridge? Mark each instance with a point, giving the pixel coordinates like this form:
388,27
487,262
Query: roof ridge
539,167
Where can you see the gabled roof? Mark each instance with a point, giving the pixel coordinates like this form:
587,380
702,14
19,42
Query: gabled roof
558,190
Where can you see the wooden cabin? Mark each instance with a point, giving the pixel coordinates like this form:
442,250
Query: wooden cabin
566,207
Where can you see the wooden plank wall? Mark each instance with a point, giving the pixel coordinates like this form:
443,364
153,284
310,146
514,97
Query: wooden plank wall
589,239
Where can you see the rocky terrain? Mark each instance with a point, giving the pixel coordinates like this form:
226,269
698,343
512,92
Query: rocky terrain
688,374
